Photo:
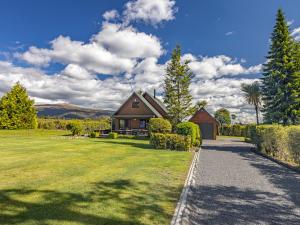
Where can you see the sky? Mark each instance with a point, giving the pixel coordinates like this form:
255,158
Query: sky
95,53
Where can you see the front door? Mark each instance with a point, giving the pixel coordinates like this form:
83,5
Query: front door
207,130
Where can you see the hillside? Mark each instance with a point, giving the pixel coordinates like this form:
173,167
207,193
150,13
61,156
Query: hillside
69,111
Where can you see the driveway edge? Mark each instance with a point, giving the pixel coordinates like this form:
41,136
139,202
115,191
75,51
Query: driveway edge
279,162
181,205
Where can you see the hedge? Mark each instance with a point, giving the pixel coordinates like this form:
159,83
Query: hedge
190,129
159,125
281,142
170,141
234,130
87,125
113,135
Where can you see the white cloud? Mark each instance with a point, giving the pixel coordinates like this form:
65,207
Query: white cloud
229,33
113,50
149,11
127,42
217,66
111,15
296,33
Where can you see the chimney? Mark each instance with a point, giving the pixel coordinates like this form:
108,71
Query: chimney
154,93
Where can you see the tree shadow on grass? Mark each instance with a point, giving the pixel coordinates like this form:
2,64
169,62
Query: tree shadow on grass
129,143
133,202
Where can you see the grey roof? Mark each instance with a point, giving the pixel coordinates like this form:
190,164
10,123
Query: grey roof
158,102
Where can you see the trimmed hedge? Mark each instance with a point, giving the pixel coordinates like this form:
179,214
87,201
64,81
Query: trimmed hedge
190,129
113,135
159,125
281,142
234,130
170,141
64,124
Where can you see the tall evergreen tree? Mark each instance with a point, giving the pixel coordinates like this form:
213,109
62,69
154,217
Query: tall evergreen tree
177,97
278,74
16,109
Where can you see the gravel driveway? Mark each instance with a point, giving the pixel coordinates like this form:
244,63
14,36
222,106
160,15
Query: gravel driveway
236,186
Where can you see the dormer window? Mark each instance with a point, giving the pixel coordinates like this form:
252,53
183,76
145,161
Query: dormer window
135,103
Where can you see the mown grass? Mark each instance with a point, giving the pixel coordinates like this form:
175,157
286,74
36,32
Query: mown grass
50,178
230,137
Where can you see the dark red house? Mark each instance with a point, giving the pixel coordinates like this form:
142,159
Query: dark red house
208,124
134,114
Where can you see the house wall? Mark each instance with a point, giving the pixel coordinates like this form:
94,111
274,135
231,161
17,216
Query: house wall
128,110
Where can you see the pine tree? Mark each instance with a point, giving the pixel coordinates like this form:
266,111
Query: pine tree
278,73
16,109
177,97
294,87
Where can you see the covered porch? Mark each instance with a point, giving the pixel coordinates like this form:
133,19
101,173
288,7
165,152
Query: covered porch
131,124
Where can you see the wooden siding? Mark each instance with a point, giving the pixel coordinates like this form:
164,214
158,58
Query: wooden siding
127,109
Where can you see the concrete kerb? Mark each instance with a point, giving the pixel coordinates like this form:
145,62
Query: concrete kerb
182,203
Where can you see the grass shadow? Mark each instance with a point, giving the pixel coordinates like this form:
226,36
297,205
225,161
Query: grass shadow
135,201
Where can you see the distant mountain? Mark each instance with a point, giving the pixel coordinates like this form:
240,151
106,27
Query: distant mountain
68,111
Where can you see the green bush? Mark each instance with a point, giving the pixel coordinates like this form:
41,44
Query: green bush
126,136
294,143
170,141
113,135
277,141
234,130
92,134
76,129
159,125
190,129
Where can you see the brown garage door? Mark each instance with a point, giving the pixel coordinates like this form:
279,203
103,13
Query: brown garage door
207,130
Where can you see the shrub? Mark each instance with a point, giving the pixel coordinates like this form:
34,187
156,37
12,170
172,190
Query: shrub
92,134
170,141
113,135
126,136
294,143
190,129
277,141
233,130
76,129
159,125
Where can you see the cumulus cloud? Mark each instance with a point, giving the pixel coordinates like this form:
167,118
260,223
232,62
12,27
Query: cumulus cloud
296,33
149,11
127,42
217,66
111,15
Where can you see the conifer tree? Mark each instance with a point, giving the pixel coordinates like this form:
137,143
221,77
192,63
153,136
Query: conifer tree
279,73
16,109
177,97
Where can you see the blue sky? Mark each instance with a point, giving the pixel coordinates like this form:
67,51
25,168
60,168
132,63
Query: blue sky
226,40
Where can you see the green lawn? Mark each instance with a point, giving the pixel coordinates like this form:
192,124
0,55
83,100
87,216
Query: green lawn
49,178
231,137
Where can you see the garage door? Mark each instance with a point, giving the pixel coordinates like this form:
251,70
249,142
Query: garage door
207,130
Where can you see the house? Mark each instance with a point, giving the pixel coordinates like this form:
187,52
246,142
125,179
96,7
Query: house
208,124
134,114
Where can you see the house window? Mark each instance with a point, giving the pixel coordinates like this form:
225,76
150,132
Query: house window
135,103
124,124
143,124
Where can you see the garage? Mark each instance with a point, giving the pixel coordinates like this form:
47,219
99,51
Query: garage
207,123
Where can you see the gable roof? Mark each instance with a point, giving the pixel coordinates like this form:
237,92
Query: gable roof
160,104
204,110
152,109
